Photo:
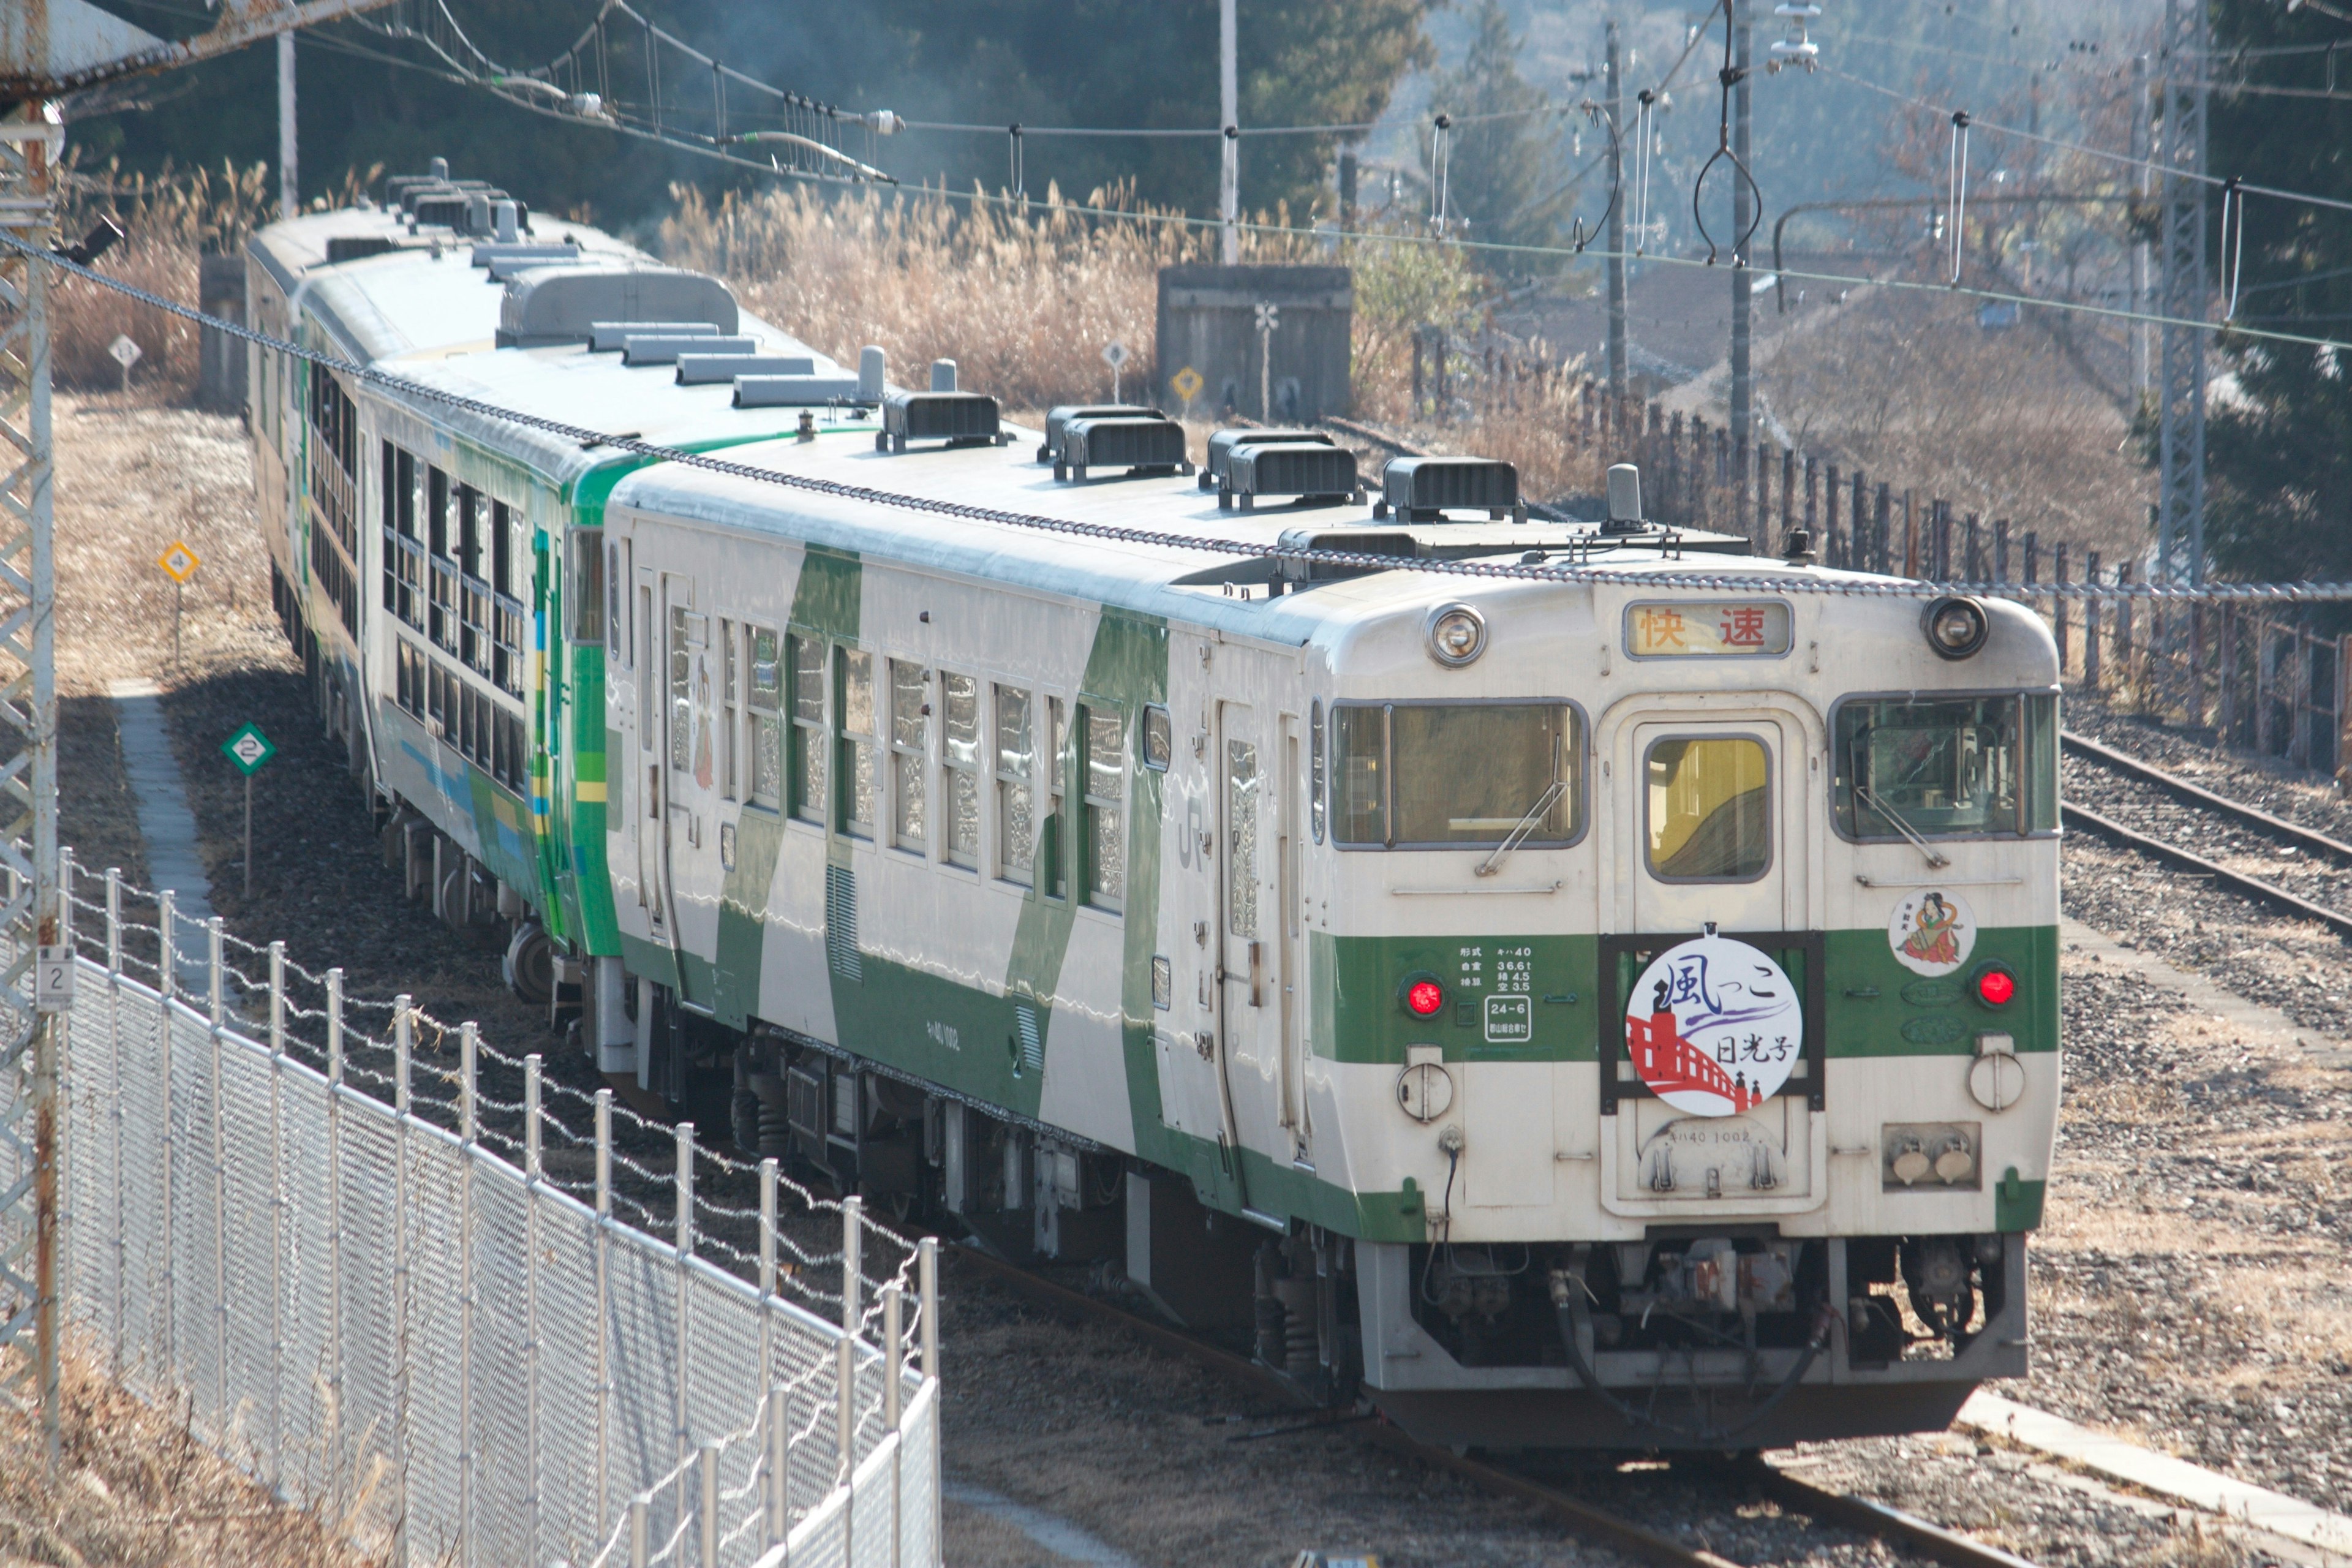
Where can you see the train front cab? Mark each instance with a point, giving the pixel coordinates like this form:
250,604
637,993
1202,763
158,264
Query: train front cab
1800,1215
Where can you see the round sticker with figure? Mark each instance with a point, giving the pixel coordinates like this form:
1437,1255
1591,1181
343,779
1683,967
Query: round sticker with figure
1932,931
1713,1026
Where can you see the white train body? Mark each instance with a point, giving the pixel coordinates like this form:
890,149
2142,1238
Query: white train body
1130,900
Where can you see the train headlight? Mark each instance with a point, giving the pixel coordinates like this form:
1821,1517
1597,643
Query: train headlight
1422,996
1995,984
1955,627
1458,635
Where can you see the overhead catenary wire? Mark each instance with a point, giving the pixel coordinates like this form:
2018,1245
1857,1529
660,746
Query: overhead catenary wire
1568,573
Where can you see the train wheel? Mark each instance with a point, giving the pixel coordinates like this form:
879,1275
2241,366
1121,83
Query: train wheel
529,965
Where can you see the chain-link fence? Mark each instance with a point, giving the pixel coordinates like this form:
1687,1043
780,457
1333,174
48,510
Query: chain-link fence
445,1351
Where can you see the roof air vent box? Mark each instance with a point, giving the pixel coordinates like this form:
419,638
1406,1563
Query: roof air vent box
1422,489
438,209
1310,470
607,337
562,304
1057,419
959,418
705,366
491,252
658,347
794,391
1150,444
1222,443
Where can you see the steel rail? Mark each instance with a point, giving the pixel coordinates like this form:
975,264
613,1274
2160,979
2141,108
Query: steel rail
2157,849
1930,1540
2254,816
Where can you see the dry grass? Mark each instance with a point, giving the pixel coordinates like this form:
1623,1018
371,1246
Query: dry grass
2018,423
169,222
136,1487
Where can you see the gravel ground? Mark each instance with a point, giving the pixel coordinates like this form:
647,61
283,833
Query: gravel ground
2192,1283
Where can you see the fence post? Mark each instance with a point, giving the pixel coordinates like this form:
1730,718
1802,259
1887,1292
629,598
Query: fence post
114,922
1910,533
279,1207
2266,725
853,1263
603,1303
2124,652
532,1171
468,1129
2059,613
1787,491
768,1170
683,1220
927,1284
220,1229
404,1048
1833,547
217,963
2090,621
2001,549
893,1374
171,1160
845,1415
2225,679
709,1472
1880,519
1858,552
2032,557
2196,671
167,979
334,1455
779,1446
2343,708
2298,735
640,1531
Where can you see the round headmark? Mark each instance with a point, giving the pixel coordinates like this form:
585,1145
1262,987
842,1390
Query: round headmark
1713,1026
1932,931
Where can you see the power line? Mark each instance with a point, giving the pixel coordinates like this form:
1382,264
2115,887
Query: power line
1542,572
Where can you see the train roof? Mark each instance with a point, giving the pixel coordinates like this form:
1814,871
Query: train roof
418,308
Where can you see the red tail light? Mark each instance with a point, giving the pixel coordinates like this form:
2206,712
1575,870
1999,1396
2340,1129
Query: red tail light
1424,999
1996,985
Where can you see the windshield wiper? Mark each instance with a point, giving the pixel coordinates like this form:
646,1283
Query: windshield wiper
1937,858
1527,824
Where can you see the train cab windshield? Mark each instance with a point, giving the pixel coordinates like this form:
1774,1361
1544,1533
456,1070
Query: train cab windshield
1952,767
1438,774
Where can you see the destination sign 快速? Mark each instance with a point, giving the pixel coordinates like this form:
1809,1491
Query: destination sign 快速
1704,628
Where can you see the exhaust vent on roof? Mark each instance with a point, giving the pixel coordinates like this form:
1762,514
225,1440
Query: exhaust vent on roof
607,337
959,418
492,252
1422,489
703,366
1222,443
357,247
794,391
1152,445
663,348
1310,470
564,304
1056,419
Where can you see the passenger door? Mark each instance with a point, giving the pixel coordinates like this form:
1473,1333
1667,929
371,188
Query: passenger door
1250,924
1717,831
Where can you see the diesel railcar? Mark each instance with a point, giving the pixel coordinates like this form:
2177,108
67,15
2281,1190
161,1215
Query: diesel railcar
1614,1012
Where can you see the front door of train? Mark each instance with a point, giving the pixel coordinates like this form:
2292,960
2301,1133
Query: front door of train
1710,838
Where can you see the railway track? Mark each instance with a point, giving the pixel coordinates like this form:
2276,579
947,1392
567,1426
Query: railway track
1598,1525
2241,846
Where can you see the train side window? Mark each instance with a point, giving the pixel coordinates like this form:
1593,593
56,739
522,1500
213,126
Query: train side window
1316,807
615,580
805,658
437,510
588,597
1102,819
1946,767
1359,736
1709,808
909,753
960,760
685,635
763,697
1052,855
1159,738
861,784
1016,844
731,697
1399,779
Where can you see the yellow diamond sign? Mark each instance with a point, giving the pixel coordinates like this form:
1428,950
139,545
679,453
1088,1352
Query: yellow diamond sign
1186,384
178,562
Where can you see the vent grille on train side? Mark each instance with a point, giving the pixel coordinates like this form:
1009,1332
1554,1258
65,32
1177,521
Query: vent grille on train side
841,922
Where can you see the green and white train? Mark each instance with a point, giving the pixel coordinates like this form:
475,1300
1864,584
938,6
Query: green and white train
1593,1014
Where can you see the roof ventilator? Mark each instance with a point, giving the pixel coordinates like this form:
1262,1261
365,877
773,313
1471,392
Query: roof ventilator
1423,489
943,414
1307,465
797,391
1056,418
1150,444
663,347
490,254
701,368
547,305
607,337
1624,501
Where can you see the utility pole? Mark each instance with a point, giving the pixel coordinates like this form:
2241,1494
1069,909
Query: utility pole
1743,388
2180,392
2143,177
290,184
1616,241
1229,102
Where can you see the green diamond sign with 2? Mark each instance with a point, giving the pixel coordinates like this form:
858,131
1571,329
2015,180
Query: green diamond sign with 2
249,748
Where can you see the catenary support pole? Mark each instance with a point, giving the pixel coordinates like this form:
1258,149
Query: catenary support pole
1743,385
289,185
1229,111
1616,238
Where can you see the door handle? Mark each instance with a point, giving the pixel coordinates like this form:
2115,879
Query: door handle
1258,972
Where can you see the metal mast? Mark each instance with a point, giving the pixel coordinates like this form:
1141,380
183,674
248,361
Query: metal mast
1616,240
1743,389
2181,381
30,140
